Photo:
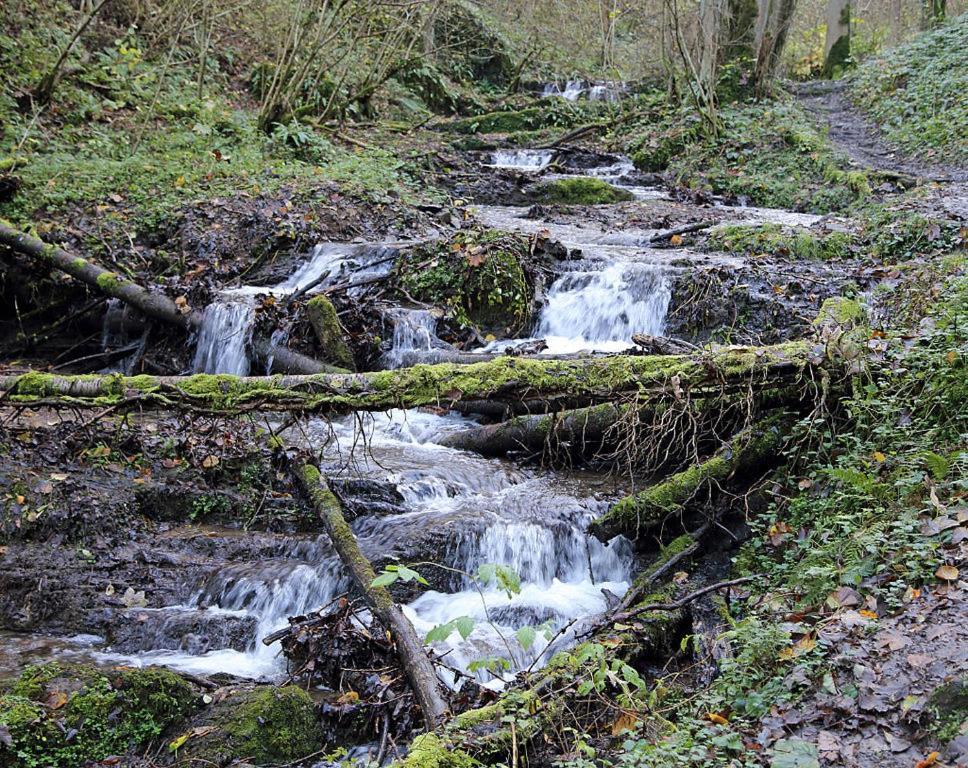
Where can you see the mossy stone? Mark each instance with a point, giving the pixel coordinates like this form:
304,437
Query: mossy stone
69,714
580,191
263,725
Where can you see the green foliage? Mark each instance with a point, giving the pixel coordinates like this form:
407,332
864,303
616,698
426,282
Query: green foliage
866,485
916,92
478,277
89,715
777,240
394,573
767,152
581,190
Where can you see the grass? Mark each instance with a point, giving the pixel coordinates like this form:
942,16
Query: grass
127,131
767,153
916,92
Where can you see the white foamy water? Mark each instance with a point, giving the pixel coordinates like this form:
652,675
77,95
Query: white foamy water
414,338
224,338
522,159
489,511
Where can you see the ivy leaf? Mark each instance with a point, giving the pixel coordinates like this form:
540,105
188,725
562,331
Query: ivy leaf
464,625
526,636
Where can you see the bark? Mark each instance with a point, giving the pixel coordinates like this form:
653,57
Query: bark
560,383
416,663
837,41
753,450
932,13
583,430
153,305
772,27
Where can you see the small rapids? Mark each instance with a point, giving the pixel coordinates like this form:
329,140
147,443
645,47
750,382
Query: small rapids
224,340
522,159
459,510
573,90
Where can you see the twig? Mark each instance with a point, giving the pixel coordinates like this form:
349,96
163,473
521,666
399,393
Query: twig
676,605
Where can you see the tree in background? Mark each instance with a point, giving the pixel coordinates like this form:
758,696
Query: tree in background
932,12
837,40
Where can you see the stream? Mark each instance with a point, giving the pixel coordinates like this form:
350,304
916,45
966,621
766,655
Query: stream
464,509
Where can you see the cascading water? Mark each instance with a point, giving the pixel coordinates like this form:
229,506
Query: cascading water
601,310
414,337
480,510
522,159
223,341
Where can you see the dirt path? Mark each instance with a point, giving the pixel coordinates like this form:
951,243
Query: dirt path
860,141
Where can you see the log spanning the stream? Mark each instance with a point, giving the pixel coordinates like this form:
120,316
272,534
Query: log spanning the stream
416,663
753,450
154,305
739,371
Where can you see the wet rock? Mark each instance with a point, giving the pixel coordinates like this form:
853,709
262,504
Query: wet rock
361,497
175,629
263,726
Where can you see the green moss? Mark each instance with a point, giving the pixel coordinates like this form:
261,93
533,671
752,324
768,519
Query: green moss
841,311
767,152
275,725
915,92
329,332
98,714
582,190
109,282
430,751
642,512
948,708
478,277
774,239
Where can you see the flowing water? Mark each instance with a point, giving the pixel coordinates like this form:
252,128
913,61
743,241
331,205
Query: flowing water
522,159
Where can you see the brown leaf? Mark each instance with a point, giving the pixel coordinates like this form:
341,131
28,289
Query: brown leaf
56,699
624,722
210,462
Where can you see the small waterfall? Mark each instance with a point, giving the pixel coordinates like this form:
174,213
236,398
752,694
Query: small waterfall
601,310
522,159
414,337
324,264
223,341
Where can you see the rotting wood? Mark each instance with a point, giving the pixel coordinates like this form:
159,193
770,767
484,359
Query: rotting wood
753,449
417,665
153,305
740,371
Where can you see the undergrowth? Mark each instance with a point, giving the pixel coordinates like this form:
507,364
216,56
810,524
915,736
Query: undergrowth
916,92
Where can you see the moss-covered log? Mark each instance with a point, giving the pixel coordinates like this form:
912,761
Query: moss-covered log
322,316
563,383
155,305
753,449
416,663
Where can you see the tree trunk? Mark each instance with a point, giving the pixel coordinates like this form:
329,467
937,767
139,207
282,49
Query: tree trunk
740,372
153,305
752,450
837,41
932,13
416,663
772,28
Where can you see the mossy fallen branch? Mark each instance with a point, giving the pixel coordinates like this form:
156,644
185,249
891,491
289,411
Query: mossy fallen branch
753,449
415,661
564,383
153,305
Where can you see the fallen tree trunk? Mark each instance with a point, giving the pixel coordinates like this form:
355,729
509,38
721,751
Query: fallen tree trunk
562,383
583,428
416,663
153,305
753,449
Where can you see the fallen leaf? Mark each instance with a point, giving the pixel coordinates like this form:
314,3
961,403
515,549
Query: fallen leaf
716,718
844,597
676,240
56,699
868,614
879,457
919,660
794,753
624,722
350,697
209,462
930,760
134,599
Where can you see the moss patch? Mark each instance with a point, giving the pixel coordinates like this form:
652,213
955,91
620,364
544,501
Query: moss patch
478,277
68,714
776,240
579,191
264,725
329,332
